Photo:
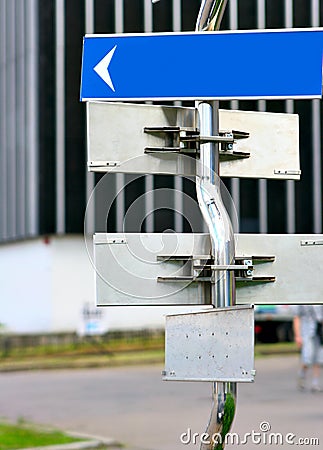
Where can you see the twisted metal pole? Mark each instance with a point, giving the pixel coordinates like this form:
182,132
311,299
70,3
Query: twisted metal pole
210,15
220,227
222,238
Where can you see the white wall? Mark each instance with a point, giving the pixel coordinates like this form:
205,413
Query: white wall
24,286
45,283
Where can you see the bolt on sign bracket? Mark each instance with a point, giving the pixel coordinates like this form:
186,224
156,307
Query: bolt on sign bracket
187,141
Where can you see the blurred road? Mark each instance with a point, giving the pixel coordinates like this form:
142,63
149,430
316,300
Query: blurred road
134,406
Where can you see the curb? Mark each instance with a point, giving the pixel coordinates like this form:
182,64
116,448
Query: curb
111,444
19,366
87,442
90,442
82,445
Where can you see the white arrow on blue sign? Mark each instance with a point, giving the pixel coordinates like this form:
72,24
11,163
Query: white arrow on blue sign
216,65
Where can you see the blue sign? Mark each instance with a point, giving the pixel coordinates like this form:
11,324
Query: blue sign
208,65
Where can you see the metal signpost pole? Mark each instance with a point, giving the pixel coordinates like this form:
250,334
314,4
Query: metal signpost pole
216,217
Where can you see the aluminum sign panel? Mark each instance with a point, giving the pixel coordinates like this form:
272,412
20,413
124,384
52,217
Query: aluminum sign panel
273,145
297,268
215,345
116,136
157,269
128,267
117,141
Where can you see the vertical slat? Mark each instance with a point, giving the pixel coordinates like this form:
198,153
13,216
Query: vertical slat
261,14
234,104
3,124
290,188
148,16
149,203
120,177
11,123
20,119
60,116
119,15
178,182
90,177
233,5
149,179
32,142
177,14
316,130
178,204
89,16
262,184
290,185
317,164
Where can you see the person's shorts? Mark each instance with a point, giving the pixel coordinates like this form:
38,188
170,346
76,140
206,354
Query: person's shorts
311,351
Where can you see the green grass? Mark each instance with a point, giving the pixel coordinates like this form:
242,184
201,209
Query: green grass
83,361
24,436
91,353
115,351
90,347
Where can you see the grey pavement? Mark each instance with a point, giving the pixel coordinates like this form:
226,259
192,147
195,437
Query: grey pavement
134,406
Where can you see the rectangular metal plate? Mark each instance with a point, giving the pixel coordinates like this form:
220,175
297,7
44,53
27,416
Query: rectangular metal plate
116,133
128,267
116,141
297,268
214,345
273,145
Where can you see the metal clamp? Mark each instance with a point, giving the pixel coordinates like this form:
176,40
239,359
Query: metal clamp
248,275
244,269
203,266
176,139
187,141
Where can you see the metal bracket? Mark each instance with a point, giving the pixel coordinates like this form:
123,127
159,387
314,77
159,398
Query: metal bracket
176,139
187,141
311,242
103,163
287,172
202,270
102,239
248,275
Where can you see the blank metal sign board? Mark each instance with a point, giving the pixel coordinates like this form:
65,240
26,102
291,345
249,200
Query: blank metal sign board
117,141
296,268
213,345
273,145
148,269
259,64
158,269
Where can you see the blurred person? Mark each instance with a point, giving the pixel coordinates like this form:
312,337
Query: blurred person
307,339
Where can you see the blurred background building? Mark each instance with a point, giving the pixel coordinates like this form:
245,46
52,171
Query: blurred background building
46,274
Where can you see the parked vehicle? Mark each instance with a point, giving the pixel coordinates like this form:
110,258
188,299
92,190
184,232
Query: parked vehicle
274,323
